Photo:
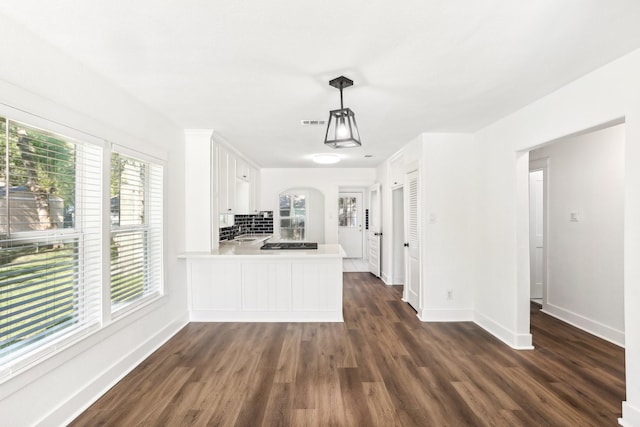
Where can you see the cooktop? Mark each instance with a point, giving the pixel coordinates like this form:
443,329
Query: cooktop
289,245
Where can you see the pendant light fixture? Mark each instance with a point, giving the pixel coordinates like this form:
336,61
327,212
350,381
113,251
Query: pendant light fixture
342,130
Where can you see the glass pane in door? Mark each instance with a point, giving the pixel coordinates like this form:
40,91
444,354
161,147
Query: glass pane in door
347,212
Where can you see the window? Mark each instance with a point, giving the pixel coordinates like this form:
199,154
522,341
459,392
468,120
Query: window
50,238
55,261
293,216
136,230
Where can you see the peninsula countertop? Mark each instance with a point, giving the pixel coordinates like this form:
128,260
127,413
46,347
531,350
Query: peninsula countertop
233,250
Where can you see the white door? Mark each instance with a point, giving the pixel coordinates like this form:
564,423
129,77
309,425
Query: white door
350,223
374,233
536,232
412,248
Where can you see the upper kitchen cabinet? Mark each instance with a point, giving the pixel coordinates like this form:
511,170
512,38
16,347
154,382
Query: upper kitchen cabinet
226,180
255,181
242,170
238,183
396,166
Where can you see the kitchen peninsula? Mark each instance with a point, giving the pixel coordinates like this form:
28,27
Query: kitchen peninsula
241,283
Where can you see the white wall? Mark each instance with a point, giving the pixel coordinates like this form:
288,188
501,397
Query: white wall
38,79
449,226
326,180
585,280
501,297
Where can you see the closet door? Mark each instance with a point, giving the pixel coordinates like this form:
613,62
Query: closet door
412,241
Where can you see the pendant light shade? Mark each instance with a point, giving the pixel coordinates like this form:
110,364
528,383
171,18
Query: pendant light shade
342,130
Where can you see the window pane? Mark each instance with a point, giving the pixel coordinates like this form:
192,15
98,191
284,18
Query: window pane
39,292
49,278
127,190
285,202
347,214
128,264
38,190
136,231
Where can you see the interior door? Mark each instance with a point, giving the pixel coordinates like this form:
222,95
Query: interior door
350,223
374,232
412,242
536,232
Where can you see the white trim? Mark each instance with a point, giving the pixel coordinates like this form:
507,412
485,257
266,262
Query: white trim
445,315
630,415
513,340
149,155
14,113
291,316
596,328
78,403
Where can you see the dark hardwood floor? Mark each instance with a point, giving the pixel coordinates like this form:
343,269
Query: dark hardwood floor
381,367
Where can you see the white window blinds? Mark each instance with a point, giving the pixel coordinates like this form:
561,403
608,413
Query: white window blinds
136,231
50,241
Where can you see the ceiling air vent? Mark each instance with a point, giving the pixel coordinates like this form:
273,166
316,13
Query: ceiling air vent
312,122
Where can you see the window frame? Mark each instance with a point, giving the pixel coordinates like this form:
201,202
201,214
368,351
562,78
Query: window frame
14,364
291,194
146,228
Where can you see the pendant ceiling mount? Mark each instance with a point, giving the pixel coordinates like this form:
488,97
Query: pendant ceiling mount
342,129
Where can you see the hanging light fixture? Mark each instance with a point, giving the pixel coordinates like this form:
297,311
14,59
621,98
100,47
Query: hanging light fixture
342,130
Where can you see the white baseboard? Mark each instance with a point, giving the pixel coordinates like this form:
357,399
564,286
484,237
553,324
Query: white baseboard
513,340
385,278
445,315
266,316
85,397
593,327
630,415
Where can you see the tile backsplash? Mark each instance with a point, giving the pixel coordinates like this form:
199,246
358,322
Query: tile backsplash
260,223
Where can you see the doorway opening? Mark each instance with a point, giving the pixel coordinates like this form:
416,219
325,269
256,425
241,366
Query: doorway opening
351,225
576,230
537,254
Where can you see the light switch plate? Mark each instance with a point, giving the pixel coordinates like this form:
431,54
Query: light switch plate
574,217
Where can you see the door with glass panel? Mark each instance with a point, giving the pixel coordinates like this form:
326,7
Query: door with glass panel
350,223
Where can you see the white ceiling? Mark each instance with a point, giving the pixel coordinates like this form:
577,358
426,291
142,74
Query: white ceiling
253,69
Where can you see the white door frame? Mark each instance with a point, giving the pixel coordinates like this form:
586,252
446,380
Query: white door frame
543,165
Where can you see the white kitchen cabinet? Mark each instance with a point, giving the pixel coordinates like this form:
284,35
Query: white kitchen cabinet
238,184
255,187
226,180
396,171
224,295
242,170
265,286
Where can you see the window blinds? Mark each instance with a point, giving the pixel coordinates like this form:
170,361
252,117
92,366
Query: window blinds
136,231
50,240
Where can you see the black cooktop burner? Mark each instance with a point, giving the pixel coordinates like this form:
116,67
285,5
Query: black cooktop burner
289,245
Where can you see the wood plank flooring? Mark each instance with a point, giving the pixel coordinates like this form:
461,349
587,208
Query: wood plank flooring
382,367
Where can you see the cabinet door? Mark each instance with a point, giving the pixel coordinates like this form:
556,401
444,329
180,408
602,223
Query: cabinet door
226,180
254,175
397,171
242,170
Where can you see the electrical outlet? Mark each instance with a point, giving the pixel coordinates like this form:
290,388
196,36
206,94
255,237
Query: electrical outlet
449,294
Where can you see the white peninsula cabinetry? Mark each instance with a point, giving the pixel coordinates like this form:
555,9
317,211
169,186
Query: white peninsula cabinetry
239,283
